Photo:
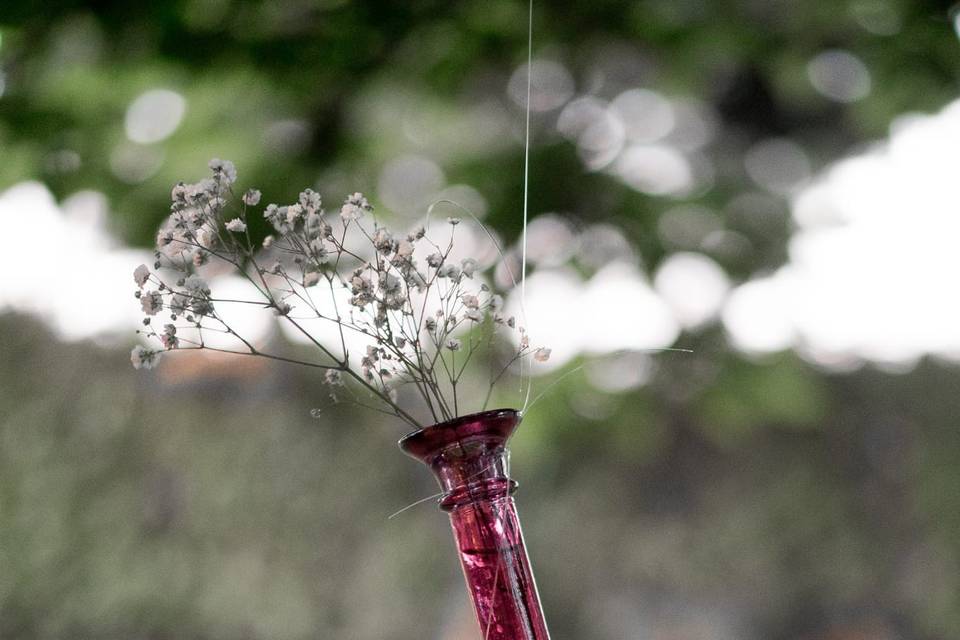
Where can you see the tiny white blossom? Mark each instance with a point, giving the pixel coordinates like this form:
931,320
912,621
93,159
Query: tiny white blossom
453,344
333,377
140,275
169,337
267,242
468,266
451,271
224,169
435,260
311,279
404,249
252,197
453,221
143,358
151,302
196,284
206,235
236,225
309,200
354,207
294,212
542,354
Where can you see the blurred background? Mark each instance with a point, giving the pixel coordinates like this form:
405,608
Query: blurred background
768,183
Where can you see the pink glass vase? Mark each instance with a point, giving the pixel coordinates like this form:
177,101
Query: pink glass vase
468,455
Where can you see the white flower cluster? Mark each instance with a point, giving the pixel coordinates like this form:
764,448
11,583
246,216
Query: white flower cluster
423,322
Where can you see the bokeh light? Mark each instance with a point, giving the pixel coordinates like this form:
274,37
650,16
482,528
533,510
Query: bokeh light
839,75
154,116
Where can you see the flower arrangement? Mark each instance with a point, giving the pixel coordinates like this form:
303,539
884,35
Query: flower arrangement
422,315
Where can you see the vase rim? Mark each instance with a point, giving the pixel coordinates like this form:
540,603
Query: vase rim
495,423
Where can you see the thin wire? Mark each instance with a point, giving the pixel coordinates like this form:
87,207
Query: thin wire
526,158
526,196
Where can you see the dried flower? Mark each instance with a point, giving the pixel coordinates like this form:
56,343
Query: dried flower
236,225
387,291
224,169
354,207
151,302
141,274
143,358
309,200
169,337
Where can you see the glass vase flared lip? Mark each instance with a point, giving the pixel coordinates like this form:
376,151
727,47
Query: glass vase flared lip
496,424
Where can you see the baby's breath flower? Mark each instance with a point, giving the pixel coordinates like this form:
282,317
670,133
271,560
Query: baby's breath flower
151,302
294,213
169,337
383,241
309,200
206,235
224,169
196,284
143,358
314,247
468,266
354,207
404,249
277,217
451,271
199,257
179,303
141,274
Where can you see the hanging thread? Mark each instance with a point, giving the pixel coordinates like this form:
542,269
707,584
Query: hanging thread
526,202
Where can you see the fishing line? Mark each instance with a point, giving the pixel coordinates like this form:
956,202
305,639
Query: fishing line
526,202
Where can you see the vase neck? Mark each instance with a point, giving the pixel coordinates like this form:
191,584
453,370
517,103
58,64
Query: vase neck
467,455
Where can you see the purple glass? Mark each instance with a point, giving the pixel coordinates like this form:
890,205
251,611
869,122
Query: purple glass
468,455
